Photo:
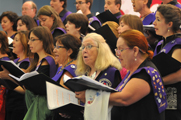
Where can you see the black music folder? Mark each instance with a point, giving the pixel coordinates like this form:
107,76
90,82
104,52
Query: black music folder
109,36
11,67
166,64
107,16
34,81
83,82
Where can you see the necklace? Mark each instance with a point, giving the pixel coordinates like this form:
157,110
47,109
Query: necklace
65,65
93,75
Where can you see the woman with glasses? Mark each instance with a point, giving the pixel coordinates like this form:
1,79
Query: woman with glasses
41,45
49,17
141,93
15,104
96,60
66,51
167,25
77,25
8,23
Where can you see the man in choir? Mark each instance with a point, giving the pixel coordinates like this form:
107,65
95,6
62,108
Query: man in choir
114,6
143,7
29,8
60,8
85,7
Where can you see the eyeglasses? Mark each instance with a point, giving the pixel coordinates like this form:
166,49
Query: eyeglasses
57,47
26,9
79,3
88,47
32,40
119,51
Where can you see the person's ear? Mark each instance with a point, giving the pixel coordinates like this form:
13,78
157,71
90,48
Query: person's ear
136,51
69,51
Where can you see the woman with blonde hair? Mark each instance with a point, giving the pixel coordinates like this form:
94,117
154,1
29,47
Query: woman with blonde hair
93,61
141,93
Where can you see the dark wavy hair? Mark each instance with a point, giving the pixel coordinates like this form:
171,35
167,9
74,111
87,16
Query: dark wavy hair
12,16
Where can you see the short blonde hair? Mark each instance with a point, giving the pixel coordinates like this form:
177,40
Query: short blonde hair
105,57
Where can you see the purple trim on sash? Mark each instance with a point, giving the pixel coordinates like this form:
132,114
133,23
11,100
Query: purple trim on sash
107,78
65,15
53,67
149,19
178,5
166,49
4,58
59,29
38,22
24,60
70,68
92,19
12,36
118,16
157,86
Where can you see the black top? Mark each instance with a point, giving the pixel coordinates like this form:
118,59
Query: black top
167,40
117,14
117,78
56,33
94,24
62,13
15,100
144,109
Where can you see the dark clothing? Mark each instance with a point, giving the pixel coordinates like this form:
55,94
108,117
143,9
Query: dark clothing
15,102
62,13
110,77
168,40
144,109
95,24
118,15
173,111
56,32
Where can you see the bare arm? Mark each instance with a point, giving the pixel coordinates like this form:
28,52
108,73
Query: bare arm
134,90
176,76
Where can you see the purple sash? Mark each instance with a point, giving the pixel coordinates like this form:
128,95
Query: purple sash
107,78
168,46
4,58
157,86
58,28
70,68
51,62
178,5
65,15
118,16
92,19
24,60
13,36
149,19
38,22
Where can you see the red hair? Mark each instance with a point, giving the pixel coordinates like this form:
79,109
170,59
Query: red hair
136,38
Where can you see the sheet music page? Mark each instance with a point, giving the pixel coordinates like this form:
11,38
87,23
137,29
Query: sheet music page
58,96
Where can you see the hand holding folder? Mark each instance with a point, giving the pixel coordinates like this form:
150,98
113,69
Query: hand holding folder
62,100
34,81
83,82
